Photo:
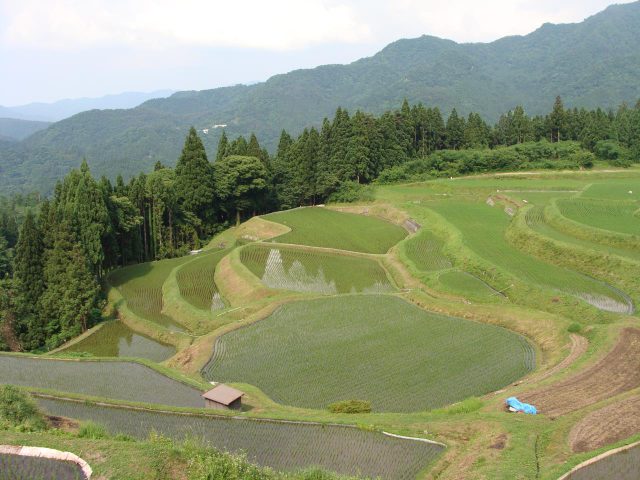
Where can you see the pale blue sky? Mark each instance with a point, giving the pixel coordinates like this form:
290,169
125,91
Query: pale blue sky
54,49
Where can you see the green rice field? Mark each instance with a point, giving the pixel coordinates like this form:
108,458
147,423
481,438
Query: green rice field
467,285
616,216
283,446
115,339
304,270
483,229
196,283
127,381
536,220
141,287
376,348
321,227
425,251
624,465
17,467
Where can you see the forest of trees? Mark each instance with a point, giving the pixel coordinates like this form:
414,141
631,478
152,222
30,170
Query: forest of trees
54,254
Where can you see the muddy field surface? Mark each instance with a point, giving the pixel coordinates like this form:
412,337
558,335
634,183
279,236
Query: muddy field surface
618,372
608,425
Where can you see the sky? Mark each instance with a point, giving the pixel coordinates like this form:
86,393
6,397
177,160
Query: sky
55,49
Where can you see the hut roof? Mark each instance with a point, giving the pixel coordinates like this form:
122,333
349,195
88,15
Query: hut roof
223,394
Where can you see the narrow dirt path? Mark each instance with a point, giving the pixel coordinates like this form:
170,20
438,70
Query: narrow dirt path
579,345
608,425
618,372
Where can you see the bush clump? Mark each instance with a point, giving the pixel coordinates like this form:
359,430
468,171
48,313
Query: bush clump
350,406
575,327
18,411
93,431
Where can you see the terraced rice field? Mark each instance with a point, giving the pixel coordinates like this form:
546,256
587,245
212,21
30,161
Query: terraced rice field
110,379
617,372
614,189
465,284
115,339
615,216
376,348
17,467
304,270
321,227
536,221
195,280
283,446
141,287
483,228
622,465
425,251
605,426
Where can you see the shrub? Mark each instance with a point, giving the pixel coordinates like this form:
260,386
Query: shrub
575,327
350,406
92,430
19,411
349,192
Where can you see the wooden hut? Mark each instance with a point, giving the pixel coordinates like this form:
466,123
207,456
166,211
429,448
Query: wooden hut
223,397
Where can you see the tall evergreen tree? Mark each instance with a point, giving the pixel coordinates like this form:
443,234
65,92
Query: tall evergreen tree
223,146
71,289
194,184
557,120
454,131
29,265
5,258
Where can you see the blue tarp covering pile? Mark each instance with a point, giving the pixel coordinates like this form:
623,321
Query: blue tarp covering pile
517,405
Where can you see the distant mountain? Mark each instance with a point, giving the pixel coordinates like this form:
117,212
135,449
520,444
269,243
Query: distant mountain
15,129
55,111
592,63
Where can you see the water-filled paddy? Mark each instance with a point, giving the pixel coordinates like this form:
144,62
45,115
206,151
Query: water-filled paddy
314,271
115,339
283,446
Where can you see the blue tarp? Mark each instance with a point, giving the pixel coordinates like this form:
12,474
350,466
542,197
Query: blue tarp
516,404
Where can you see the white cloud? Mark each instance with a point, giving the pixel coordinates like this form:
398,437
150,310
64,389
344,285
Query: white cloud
274,25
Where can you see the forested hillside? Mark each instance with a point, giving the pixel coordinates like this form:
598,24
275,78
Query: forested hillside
593,63
13,129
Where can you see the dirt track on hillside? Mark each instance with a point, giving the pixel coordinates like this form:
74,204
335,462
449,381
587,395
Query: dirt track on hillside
608,425
579,345
618,372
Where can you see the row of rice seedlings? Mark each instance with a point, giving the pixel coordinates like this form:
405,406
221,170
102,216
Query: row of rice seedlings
196,282
468,285
118,380
483,229
321,227
616,216
376,348
622,465
425,251
141,287
313,271
18,467
283,446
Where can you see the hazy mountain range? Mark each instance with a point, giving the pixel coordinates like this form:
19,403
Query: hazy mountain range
590,64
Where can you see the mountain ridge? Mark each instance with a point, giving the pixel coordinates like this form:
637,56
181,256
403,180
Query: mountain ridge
594,63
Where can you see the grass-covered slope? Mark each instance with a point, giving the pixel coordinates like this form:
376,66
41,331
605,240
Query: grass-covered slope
321,227
376,348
